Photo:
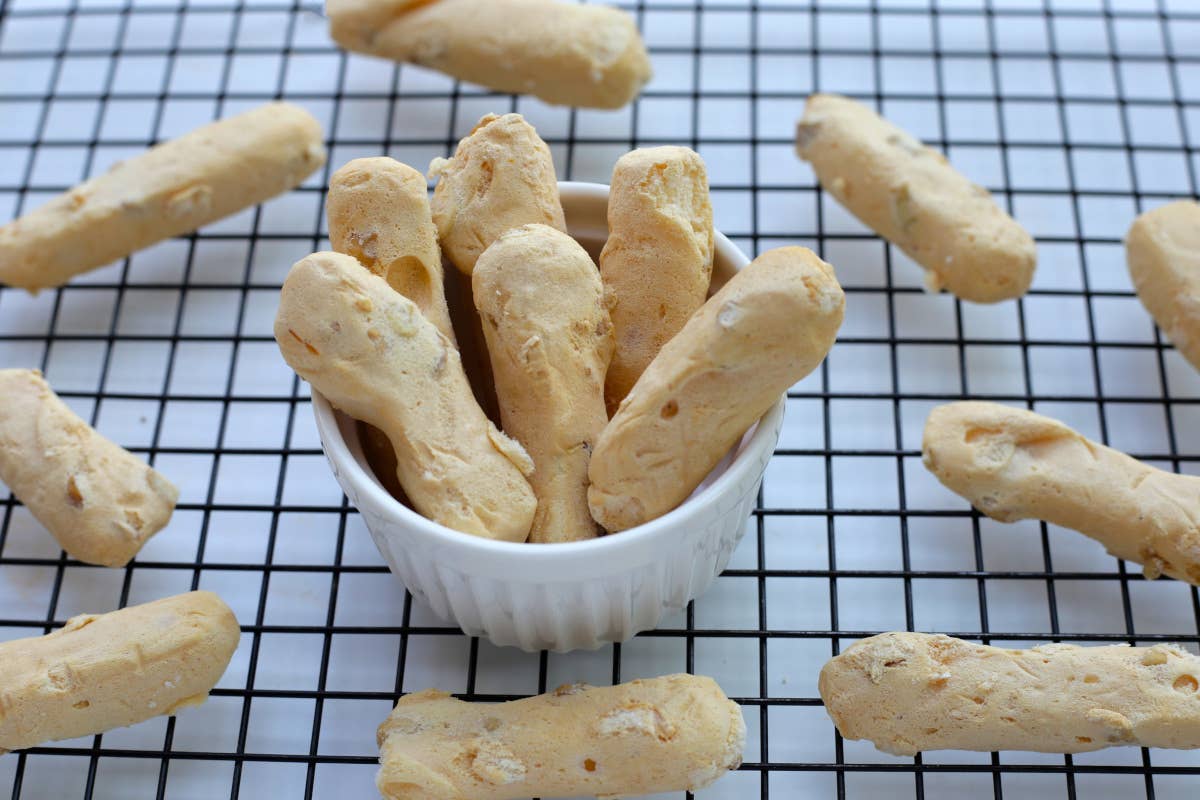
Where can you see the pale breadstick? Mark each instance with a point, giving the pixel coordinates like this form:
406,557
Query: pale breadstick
378,211
562,53
171,189
1013,464
372,353
501,177
665,734
910,195
98,500
910,692
767,328
657,262
550,339
104,671
1163,250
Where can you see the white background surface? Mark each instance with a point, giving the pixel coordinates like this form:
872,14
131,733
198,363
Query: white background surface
1078,119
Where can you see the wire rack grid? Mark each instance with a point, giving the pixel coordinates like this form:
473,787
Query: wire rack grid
1077,113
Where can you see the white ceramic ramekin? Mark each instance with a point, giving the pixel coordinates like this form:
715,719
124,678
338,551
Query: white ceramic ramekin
572,595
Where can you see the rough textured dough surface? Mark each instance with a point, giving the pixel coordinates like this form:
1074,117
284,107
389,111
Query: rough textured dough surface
909,692
767,328
564,54
501,177
105,671
666,734
372,353
378,211
550,339
1163,250
171,189
910,195
657,262
1014,464
97,499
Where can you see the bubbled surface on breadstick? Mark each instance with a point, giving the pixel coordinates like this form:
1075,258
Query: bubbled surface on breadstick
104,671
373,355
501,177
550,340
378,211
560,52
97,499
910,692
910,195
657,262
666,734
1163,250
1014,464
171,189
767,328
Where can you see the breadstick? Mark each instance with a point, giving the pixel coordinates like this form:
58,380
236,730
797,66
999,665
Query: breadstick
171,189
910,195
910,692
98,500
1163,250
105,671
1013,464
657,262
501,177
378,211
550,340
373,354
665,734
767,328
564,54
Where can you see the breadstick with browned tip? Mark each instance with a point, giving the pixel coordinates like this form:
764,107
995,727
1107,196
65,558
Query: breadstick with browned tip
674,733
372,353
1163,249
911,692
1014,464
550,339
169,190
104,671
97,499
657,262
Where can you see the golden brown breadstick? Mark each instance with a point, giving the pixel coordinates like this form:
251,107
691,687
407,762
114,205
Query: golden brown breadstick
657,262
910,195
1013,464
550,340
378,211
565,54
664,734
501,177
98,500
767,328
104,671
1163,250
909,692
171,189
373,354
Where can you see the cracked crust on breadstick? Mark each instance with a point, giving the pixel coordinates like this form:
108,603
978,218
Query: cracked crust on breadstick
97,499
169,190
105,671
657,262
911,692
1163,250
1014,464
674,733
910,195
767,328
372,353
550,339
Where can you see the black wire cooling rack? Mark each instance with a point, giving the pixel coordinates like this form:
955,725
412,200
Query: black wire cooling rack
1078,114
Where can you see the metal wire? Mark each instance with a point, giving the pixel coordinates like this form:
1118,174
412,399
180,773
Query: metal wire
287,401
